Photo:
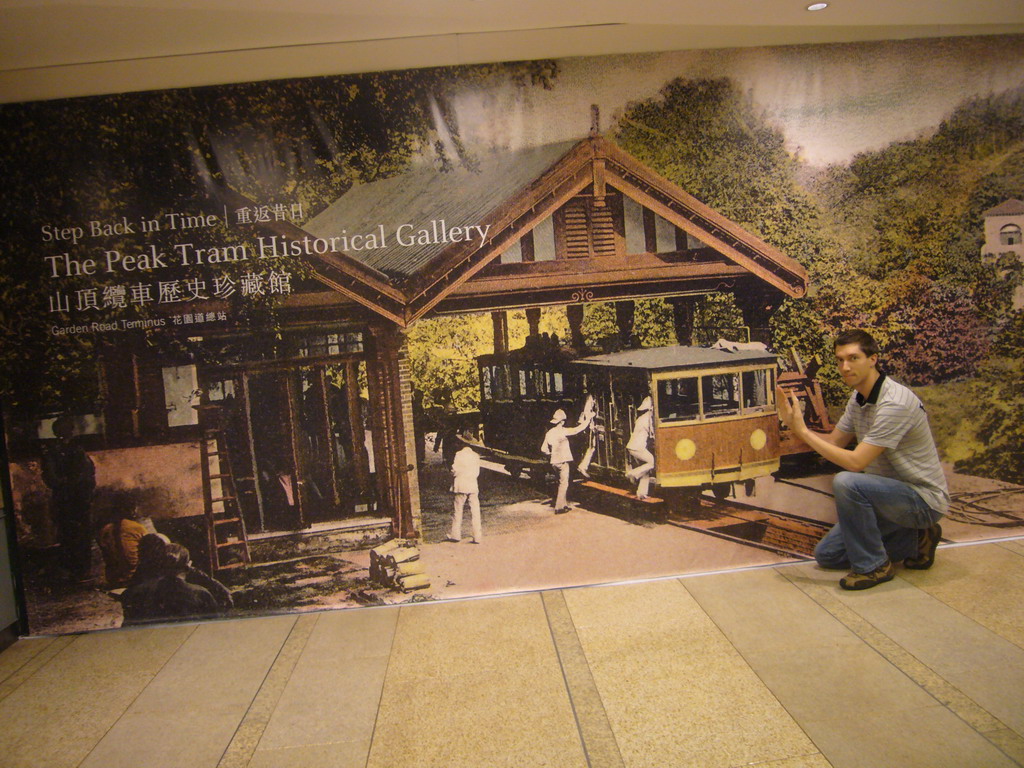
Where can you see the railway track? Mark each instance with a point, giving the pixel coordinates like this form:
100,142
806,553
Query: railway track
999,508
744,523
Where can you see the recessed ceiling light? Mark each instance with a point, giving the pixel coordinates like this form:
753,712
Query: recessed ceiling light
817,6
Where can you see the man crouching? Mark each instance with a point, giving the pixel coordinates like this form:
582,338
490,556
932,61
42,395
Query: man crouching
893,492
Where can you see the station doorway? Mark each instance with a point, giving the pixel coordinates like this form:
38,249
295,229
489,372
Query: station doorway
298,441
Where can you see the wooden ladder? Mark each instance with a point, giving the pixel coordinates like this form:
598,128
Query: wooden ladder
228,543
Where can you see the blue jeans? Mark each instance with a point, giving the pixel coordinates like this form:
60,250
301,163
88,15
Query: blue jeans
878,518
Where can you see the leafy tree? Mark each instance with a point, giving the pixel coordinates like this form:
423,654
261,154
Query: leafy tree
946,338
998,410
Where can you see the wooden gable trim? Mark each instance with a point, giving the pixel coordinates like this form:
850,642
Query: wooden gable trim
458,263
599,162
566,286
687,213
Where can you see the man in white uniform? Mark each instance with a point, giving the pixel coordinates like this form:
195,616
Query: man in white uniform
465,486
556,447
639,448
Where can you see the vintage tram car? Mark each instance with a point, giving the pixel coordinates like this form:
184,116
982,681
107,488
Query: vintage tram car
715,421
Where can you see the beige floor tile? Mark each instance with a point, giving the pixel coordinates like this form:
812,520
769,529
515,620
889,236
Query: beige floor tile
595,731
56,717
15,657
921,738
338,705
365,633
824,682
252,726
984,582
517,715
475,683
821,682
675,690
444,639
219,669
1014,545
1008,741
28,657
591,607
190,738
975,660
334,755
816,760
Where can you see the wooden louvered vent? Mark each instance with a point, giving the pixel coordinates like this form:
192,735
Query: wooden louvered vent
588,229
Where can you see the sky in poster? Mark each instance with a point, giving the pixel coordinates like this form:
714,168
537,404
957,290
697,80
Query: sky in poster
831,101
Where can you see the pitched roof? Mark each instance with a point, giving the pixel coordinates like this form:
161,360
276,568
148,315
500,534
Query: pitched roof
425,195
1011,207
506,195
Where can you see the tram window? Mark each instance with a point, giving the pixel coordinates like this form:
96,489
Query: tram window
545,385
755,390
524,384
486,389
558,383
721,394
677,399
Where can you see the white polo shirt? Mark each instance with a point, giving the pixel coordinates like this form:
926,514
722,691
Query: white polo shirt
893,417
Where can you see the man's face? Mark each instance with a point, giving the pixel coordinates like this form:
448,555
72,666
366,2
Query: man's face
854,366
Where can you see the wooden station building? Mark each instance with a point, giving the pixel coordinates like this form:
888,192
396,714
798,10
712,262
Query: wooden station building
565,224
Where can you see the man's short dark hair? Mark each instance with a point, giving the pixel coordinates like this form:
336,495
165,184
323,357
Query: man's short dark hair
862,338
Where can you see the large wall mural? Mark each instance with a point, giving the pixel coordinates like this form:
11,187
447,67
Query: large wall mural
354,340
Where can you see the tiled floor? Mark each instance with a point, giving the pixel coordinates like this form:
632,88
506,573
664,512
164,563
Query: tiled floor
773,667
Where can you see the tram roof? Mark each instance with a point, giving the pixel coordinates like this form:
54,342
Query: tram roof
663,358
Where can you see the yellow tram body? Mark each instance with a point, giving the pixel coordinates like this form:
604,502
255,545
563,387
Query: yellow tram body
714,413
715,421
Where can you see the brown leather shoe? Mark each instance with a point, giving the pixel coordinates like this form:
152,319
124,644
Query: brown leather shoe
880,575
927,541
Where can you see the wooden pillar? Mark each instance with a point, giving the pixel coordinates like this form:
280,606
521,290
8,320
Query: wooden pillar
298,482
682,318
356,420
499,320
394,446
624,314
650,231
119,386
327,456
574,314
533,320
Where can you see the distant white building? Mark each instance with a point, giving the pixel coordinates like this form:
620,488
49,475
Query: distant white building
1004,225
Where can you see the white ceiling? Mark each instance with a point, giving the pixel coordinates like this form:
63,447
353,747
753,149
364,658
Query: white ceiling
52,49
